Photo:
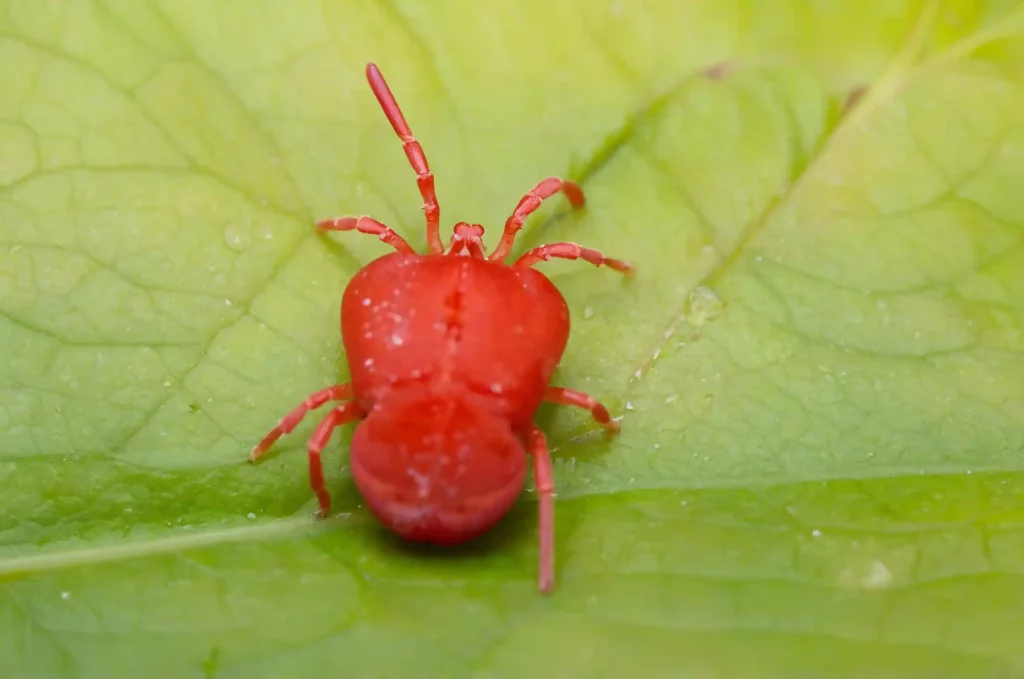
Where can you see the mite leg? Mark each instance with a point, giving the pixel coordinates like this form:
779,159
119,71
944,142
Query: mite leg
341,392
529,204
413,151
571,251
369,226
568,397
537,446
343,414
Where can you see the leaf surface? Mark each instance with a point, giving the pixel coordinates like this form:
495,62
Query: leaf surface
818,366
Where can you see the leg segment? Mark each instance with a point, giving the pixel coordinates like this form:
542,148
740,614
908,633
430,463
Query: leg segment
537,446
413,151
343,414
571,251
369,226
568,397
341,392
529,204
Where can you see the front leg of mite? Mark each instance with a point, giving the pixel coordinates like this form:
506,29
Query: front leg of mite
369,226
551,251
529,204
543,478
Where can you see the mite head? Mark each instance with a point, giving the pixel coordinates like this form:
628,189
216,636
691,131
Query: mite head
437,468
467,240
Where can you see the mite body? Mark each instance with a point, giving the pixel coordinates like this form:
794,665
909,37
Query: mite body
450,355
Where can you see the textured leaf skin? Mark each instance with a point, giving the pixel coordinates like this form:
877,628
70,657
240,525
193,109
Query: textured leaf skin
819,365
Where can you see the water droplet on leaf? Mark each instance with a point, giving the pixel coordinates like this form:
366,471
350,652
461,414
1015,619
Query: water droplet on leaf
703,305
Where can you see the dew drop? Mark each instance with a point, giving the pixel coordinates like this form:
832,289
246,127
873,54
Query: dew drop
588,312
234,239
878,576
703,305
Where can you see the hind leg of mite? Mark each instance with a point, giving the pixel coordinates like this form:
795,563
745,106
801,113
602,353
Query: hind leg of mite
570,397
543,479
343,414
341,392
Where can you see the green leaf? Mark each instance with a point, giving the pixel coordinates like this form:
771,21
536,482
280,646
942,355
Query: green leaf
818,366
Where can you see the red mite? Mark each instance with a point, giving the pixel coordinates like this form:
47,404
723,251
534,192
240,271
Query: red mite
450,355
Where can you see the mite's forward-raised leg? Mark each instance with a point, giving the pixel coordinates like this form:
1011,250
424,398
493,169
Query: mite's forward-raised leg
571,251
343,414
543,478
366,225
341,392
569,397
413,151
529,204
